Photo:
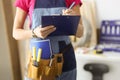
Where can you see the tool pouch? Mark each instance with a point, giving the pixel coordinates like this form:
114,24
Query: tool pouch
33,70
59,63
44,71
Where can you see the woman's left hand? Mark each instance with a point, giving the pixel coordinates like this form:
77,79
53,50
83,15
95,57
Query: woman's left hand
75,11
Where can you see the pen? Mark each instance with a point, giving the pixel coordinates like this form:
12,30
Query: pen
71,5
50,64
51,60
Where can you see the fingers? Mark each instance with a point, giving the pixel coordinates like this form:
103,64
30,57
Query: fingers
68,12
44,32
46,28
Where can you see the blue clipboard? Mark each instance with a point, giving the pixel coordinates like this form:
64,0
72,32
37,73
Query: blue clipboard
65,25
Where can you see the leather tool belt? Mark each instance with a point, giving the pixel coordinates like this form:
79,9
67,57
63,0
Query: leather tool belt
47,69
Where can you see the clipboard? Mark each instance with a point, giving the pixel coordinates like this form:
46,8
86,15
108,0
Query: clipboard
65,25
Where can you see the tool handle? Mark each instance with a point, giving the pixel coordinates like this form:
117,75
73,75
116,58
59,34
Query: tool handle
39,54
34,53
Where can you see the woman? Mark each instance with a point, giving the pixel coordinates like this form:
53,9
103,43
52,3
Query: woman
37,8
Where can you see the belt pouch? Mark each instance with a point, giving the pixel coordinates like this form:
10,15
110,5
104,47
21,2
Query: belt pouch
32,70
45,71
59,64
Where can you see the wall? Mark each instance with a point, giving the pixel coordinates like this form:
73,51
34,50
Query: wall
5,66
9,55
107,9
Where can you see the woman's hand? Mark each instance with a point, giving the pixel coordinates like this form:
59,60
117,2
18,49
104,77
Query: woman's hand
68,12
44,32
19,31
75,11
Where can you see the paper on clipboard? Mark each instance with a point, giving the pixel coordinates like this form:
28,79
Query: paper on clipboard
65,25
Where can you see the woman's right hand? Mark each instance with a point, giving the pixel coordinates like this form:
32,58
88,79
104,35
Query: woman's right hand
44,32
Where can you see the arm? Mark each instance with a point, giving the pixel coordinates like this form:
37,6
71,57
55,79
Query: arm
18,30
75,11
19,33
80,29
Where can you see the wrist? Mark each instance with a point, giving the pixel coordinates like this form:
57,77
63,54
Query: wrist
33,33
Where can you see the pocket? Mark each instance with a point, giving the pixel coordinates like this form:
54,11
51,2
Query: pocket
59,63
32,71
42,66
47,72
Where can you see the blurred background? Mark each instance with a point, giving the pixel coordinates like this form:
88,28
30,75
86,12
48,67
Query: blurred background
97,46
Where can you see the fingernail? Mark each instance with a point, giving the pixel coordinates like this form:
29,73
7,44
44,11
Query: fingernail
54,28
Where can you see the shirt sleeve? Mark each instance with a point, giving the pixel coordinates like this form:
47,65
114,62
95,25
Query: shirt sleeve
77,2
23,4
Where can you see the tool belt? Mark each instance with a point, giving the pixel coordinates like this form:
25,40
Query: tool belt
47,69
